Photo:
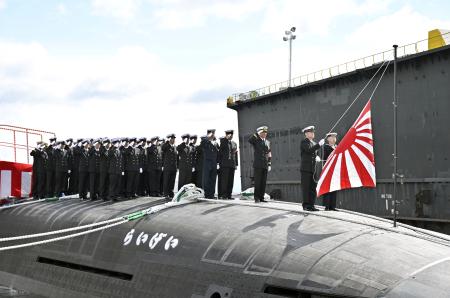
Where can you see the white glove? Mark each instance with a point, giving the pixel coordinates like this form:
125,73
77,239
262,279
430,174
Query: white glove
140,170
321,142
318,159
123,173
218,166
68,171
193,169
162,168
269,168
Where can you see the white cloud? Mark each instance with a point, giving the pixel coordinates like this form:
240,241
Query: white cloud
123,10
61,9
185,14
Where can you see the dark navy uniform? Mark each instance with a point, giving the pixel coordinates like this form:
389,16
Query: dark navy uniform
61,159
154,168
210,151
170,158
228,161
308,152
94,172
50,175
83,173
69,150
74,175
185,163
115,169
261,163
132,166
197,155
104,165
39,171
142,175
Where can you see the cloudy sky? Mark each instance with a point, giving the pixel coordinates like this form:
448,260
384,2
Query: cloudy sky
150,67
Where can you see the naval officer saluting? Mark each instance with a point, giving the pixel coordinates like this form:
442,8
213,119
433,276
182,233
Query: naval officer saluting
262,158
308,150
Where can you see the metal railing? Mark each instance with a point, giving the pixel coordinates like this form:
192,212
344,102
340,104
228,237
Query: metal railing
402,51
17,138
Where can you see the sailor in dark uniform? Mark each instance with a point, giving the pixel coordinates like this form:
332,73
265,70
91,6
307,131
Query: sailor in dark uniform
210,151
197,175
83,170
170,158
132,167
50,175
184,161
69,149
228,161
115,169
61,168
104,166
142,175
308,149
123,176
39,170
154,167
74,176
94,169
329,199
262,161
161,142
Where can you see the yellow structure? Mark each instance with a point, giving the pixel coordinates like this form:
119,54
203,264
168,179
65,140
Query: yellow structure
438,38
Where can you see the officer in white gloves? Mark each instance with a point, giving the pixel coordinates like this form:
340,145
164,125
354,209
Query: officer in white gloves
308,150
262,158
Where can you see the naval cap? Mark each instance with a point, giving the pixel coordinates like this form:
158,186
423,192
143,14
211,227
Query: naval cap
79,140
308,129
85,141
193,137
185,136
52,139
115,140
106,141
211,130
69,140
143,139
171,136
262,129
155,138
229,132
331,134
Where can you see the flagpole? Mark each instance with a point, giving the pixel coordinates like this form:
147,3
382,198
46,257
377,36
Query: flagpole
394,175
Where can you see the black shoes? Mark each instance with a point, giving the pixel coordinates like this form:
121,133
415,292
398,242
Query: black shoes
311,209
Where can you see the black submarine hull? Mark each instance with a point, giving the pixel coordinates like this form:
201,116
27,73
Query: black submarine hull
219,249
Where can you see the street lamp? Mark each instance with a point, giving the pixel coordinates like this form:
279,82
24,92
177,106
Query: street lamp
289,35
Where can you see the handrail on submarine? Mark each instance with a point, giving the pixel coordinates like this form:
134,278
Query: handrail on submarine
402,51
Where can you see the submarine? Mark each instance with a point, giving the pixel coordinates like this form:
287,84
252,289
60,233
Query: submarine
215,248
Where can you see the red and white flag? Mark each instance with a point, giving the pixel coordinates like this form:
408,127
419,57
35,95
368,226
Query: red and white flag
352,163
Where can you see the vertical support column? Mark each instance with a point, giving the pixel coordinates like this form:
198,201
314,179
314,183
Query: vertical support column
28,149
394,175
14,145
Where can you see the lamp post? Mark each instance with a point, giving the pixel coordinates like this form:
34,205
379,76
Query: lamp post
289,36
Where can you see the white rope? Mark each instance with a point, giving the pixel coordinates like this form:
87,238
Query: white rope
62,237
359,94
124,219
61,231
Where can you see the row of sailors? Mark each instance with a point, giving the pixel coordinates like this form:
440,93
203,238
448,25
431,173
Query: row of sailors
128,167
